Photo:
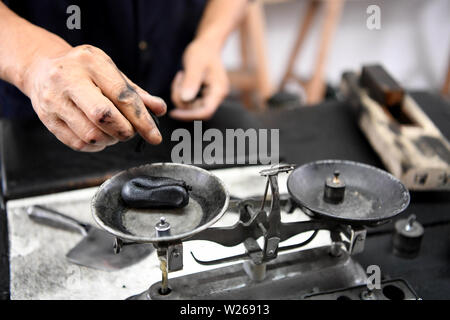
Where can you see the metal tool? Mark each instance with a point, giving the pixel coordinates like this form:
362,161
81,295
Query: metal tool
95,250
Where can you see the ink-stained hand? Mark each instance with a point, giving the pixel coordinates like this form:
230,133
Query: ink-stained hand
203,67
87,102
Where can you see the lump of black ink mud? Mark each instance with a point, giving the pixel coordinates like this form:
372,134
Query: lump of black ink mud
149,192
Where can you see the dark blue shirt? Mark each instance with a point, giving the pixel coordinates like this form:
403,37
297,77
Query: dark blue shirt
145,38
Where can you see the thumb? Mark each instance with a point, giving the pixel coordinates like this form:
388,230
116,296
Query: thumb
191,82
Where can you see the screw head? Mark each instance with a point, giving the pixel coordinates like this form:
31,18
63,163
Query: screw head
162,227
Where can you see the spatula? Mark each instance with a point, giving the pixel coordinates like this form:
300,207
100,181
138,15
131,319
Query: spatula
95,250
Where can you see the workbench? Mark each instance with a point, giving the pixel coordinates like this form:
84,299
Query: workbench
34,164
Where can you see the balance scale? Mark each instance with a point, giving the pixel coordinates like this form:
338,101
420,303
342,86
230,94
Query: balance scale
342,197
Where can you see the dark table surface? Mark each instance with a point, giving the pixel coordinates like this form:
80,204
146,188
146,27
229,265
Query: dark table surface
34,162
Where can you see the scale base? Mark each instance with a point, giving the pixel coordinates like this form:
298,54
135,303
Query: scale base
290,276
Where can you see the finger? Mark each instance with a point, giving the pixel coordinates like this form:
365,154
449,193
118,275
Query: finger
192,80
157,105
64,134
176,91
213,96
132,106
101,111
192,114
216,90
115,87
87,131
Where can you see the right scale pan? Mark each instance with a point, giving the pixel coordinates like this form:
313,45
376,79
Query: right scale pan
347,191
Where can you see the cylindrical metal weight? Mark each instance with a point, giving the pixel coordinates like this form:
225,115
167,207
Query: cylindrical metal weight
407,237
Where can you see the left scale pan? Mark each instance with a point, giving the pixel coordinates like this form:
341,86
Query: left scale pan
208,201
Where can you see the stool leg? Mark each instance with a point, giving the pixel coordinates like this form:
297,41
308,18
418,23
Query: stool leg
245,93
303,30
446,87
256,33
316,86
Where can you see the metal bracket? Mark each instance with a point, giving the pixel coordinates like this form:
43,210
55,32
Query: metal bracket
172,253
355,238
175,257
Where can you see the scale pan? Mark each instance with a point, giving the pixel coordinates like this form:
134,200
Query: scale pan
207,203
371,195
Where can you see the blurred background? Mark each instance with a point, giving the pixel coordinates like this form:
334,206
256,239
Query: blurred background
413,44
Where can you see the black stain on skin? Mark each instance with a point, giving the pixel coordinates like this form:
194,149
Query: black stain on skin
105,117
129,94
126,94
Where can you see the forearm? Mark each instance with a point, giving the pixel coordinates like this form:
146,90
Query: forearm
21,43
221,17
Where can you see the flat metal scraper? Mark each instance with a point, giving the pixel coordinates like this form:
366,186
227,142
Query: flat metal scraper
95,250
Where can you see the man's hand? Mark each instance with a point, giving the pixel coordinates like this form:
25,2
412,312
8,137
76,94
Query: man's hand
203,67
87,103
203,70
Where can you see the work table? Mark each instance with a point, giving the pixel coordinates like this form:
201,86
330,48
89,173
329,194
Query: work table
34,163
